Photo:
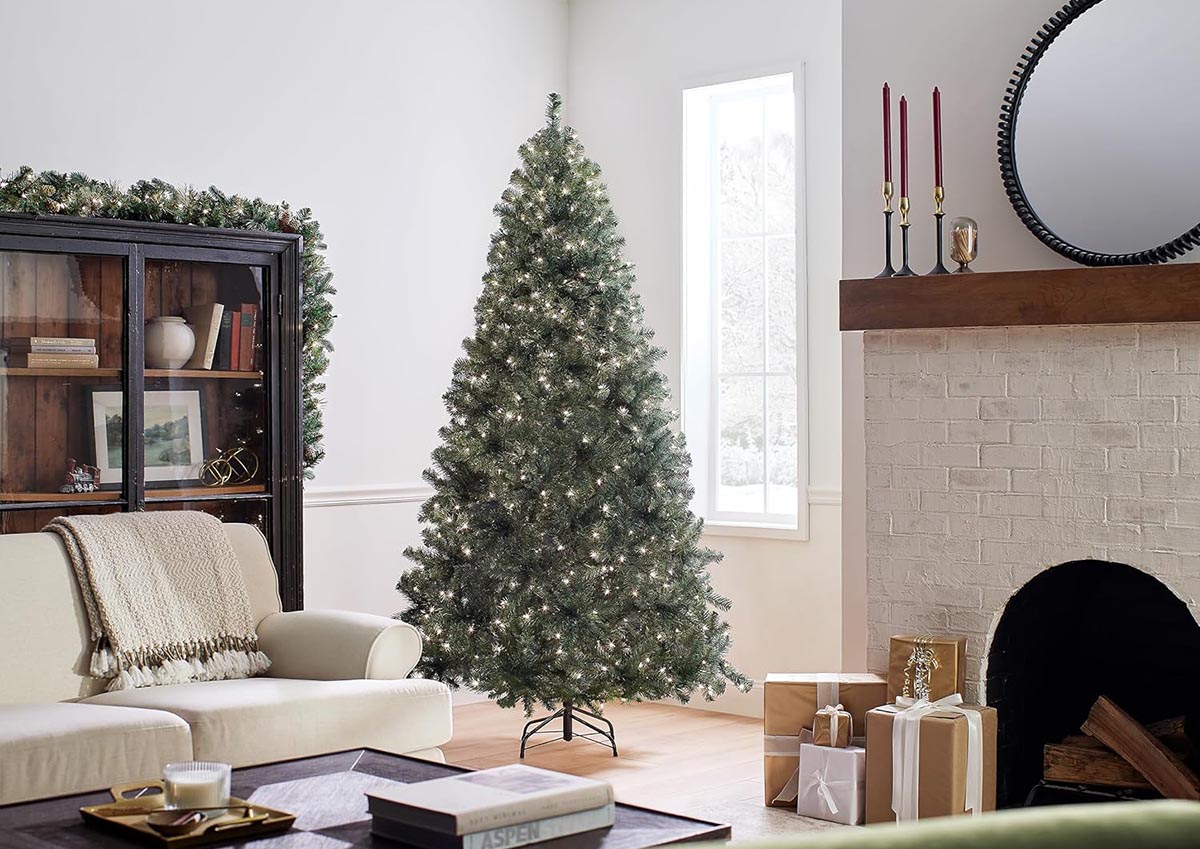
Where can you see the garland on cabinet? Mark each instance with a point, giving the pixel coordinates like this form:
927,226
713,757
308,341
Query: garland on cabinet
57,193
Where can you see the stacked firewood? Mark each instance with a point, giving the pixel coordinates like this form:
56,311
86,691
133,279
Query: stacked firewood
1115,750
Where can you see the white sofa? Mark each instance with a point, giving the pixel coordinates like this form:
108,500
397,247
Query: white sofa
338,680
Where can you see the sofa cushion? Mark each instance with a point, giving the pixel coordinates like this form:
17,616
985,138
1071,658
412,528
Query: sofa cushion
258,720
57,748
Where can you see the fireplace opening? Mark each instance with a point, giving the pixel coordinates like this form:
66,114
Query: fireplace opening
1076,632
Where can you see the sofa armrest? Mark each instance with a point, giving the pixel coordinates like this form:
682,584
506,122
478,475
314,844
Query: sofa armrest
329,645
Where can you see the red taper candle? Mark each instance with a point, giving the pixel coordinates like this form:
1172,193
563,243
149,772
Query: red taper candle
937,137
887,133
903,147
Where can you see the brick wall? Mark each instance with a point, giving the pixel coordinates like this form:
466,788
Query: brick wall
995,453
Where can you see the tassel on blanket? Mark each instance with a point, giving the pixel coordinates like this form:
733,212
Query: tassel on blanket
208,662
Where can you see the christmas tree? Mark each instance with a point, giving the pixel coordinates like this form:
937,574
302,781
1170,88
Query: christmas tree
560,560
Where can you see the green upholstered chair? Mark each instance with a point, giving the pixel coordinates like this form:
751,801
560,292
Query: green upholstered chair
1164,824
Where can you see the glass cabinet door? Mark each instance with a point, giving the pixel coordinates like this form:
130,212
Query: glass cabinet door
205,405
62,347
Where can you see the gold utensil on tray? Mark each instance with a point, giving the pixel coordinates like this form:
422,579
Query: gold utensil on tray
252,816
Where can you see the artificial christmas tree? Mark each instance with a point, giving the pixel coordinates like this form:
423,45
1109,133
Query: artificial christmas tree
561,563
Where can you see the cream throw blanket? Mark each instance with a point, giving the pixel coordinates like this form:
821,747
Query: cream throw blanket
165,598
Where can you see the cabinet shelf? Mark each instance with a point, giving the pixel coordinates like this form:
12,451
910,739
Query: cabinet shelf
151,373
47,497
203,373
202,491
114,495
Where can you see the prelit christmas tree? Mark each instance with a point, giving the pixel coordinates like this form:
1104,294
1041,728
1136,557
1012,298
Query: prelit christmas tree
561,563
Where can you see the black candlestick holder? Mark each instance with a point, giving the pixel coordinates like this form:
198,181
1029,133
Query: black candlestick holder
939,195
888,269
905,269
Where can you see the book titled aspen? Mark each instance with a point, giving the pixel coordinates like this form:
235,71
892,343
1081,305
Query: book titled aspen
503,837
488,799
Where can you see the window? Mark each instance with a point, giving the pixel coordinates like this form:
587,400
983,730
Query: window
743,340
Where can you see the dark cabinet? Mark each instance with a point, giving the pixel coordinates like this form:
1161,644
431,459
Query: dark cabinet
151,367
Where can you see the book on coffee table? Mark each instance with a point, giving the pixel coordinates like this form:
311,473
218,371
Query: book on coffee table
503,837
475,802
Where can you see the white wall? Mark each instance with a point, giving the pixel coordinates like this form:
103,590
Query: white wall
628,63
397,122
969,50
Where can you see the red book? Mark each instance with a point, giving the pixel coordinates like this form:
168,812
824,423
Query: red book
249,326
235,341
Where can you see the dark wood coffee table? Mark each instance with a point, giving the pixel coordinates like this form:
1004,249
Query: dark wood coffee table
326,794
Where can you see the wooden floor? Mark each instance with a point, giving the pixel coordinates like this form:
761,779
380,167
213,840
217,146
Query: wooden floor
687,761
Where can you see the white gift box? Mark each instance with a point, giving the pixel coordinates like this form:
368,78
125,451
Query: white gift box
831,783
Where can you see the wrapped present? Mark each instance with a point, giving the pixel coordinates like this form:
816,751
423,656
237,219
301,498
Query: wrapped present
930,759
926,666
831,783
833,726
790,706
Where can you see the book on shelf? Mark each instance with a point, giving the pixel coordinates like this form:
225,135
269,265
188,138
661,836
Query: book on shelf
224,339
488,799
248,314
235,340
205,320
36,360
51,343
501,837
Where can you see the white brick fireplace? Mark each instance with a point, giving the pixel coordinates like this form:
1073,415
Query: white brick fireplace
995,453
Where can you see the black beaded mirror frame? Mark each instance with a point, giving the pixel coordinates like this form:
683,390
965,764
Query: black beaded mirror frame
1009,110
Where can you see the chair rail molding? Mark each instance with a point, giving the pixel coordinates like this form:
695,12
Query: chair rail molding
376,493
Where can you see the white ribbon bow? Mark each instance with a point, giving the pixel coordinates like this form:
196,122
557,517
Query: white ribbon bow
834,713
906,739
824,786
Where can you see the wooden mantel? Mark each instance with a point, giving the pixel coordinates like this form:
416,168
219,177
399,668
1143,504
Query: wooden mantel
1131,294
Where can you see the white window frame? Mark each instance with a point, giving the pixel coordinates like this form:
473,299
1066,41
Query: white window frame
699,379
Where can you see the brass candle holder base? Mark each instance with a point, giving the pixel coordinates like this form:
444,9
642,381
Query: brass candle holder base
905,269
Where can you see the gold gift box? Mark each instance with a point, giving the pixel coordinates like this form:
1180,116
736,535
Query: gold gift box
823,726
790,705
938,661
942,764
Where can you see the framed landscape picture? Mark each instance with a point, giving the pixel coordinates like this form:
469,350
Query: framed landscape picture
174,434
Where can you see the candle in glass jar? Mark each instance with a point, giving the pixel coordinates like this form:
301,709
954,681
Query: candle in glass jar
196,785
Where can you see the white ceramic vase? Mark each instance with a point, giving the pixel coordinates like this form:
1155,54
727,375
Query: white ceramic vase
169,342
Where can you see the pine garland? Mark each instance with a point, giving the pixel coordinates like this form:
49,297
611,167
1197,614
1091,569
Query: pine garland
57,193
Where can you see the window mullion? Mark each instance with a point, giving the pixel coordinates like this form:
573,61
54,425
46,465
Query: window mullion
714,350
766,322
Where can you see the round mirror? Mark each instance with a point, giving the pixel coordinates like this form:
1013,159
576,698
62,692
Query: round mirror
1100,131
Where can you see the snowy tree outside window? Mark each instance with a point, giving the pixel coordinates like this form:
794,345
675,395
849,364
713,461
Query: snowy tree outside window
743,305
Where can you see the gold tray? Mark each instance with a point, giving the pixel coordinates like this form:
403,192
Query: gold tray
127,816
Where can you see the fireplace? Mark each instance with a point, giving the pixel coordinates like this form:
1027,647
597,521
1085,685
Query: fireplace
1073,633
994,454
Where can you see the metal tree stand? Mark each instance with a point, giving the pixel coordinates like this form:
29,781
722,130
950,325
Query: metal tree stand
570,714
